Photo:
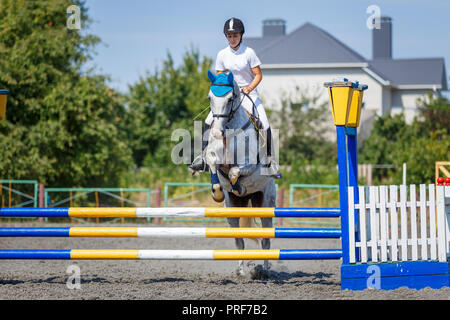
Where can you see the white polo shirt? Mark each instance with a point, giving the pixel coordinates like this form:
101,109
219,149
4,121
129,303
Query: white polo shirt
239,62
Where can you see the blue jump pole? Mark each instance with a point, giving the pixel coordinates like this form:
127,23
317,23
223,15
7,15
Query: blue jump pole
305,233
278,212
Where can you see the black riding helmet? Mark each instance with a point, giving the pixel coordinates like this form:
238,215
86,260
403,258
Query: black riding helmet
233,25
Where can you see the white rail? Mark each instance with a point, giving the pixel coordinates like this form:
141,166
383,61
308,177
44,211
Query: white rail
392,230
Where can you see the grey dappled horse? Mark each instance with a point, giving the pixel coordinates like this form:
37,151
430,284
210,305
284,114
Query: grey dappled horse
237,175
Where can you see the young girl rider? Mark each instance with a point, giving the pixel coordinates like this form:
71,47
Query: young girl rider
245,66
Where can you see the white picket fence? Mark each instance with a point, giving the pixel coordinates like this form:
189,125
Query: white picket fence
393,230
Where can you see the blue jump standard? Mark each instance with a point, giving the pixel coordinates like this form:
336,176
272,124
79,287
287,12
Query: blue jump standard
393,275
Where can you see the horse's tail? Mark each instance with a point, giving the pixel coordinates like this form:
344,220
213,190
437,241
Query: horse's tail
248,223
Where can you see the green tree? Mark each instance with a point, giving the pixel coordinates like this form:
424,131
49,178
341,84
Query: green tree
380,146
306,148
158,104
435,111
62,122
163,101
419,144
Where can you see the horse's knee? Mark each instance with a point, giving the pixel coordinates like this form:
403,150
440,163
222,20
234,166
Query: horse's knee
233,175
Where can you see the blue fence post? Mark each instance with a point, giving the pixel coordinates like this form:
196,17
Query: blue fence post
346,102
352,159
343,193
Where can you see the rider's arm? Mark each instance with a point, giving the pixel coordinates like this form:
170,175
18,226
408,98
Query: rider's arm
256,80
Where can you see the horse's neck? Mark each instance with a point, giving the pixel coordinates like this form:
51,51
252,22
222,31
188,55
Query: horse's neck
240,117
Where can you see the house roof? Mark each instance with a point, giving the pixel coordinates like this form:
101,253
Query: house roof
410,73
307,44
259,44
310,45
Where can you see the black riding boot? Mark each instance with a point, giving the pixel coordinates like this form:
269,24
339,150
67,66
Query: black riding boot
199,163
273,167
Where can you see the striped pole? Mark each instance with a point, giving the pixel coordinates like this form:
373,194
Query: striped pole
219,212
275,254
140,232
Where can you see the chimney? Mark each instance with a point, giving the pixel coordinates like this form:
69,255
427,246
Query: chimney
274,27
382,39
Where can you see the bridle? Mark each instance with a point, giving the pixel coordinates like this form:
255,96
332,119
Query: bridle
253,118
230,114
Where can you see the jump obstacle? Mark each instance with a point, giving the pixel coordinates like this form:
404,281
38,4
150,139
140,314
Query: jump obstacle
376,249
132,232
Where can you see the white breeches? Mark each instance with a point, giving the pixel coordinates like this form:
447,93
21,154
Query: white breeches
248,105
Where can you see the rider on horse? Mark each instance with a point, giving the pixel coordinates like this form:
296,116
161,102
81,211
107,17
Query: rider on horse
245,66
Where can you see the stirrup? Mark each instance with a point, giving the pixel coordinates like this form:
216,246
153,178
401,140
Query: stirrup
198,165
274,169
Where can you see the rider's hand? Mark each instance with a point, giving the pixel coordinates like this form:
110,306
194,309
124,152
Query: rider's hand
247,90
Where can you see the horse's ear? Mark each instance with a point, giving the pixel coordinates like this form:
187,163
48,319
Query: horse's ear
230,78
211,76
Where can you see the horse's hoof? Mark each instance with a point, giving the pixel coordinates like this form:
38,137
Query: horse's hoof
240,272
218,198
217,193
259,273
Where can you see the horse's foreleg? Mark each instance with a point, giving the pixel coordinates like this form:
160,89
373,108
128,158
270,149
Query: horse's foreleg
217,192
238,189
216,189
234,174
212,160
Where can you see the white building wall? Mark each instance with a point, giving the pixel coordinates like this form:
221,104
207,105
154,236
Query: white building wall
406,101
278,84
281,83
379,99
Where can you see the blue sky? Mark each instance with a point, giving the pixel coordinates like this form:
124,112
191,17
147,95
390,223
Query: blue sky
137,34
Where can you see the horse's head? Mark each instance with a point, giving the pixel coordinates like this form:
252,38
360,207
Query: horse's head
222,95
